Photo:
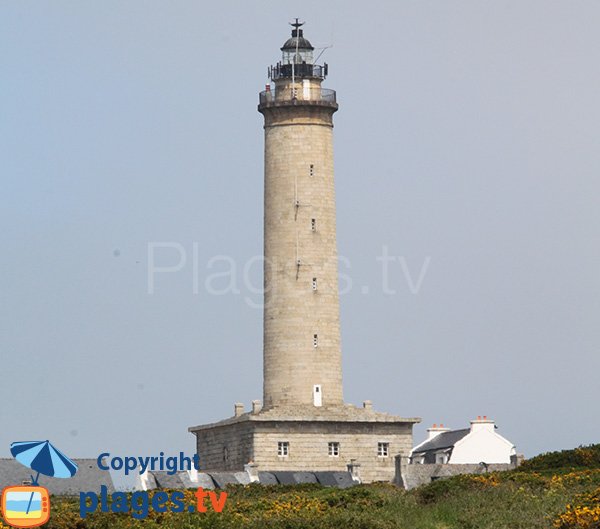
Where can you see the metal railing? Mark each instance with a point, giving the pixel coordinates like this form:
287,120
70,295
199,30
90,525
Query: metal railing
280,71
317,95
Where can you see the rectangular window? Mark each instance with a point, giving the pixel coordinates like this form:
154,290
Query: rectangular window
316,340
383,449
312,170
283,448
333,449
313,224
314,283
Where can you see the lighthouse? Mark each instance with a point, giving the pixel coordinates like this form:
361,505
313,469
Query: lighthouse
302,422
302,355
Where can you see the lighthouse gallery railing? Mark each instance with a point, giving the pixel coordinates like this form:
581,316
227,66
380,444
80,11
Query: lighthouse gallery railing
314,94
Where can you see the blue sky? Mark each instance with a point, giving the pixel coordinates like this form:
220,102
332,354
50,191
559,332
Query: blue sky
467,138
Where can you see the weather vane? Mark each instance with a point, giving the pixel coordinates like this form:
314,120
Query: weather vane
296,24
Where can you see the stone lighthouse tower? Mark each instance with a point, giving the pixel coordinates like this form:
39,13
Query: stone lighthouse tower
303,423
302,356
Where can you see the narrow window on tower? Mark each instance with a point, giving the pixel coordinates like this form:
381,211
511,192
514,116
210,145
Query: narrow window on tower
283,448
333,449
313,224
315,340
314,283
312,170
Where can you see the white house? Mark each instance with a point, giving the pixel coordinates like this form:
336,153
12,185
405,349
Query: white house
479,444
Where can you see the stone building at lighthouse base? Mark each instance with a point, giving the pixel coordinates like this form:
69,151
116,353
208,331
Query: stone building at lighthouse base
305,438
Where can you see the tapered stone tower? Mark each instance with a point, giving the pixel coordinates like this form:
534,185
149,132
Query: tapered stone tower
303,423
302,355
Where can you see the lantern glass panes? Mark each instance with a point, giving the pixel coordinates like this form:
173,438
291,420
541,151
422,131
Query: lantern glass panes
304,55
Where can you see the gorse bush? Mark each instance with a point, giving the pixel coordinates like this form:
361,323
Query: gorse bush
584,513
494,501
443,488
560,490
582,457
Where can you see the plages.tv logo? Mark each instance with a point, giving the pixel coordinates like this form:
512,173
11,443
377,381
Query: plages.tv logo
140,502
29,506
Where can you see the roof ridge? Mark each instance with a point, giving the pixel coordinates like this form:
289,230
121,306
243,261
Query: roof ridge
442,440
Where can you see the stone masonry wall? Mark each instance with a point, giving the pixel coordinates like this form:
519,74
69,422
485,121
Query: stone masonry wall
225,447
414,475
299,187
308,444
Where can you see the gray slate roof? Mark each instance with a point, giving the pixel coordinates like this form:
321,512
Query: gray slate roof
267,478
341,480
442,441
305,413
206,480
222,479
288,477
160,479
329,478
211,480
88,477
163,480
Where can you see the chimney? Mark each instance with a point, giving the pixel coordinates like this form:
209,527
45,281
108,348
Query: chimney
482,424
354,469
142,481
256,406
238,409
436,430
251,469
368,405
193,474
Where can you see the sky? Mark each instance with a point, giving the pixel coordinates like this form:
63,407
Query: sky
467,151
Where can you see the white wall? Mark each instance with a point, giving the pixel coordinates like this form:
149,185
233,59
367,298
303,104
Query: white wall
482,445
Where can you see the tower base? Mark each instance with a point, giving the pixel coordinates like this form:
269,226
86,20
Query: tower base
365,439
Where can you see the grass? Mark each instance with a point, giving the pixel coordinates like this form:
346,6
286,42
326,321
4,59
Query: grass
559,490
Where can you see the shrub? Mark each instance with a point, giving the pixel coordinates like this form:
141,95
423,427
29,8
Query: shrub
582,457
442,488
583,513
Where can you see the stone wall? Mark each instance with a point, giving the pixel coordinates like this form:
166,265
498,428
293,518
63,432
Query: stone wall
411,476
227,447
309,447
299,187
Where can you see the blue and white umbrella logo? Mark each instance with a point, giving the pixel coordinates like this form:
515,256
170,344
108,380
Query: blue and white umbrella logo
44,458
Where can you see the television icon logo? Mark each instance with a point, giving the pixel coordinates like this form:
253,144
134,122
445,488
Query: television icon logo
24,506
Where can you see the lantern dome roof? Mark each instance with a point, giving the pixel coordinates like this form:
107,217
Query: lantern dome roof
297,39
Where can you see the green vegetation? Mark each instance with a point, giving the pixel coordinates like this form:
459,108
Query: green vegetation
560,490
580,458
